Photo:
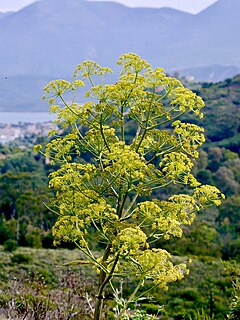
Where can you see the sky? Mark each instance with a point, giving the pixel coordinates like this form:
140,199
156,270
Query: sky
192,6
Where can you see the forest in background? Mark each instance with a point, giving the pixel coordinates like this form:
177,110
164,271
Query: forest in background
25,220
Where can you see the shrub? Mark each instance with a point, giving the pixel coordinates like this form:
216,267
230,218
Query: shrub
10,245
20,258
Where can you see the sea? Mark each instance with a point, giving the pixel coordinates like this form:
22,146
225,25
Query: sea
25,117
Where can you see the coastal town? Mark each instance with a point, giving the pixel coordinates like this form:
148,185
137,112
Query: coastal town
22,130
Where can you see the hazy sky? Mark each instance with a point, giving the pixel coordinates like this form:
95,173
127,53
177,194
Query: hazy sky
192,6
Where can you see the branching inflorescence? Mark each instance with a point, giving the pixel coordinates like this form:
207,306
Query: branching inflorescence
106,194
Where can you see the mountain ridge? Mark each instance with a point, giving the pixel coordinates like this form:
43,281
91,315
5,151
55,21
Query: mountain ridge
176,38
49,38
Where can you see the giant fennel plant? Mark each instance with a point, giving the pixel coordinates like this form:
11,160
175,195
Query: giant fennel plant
118,193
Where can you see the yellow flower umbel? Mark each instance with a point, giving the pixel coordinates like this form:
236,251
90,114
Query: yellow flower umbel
105,195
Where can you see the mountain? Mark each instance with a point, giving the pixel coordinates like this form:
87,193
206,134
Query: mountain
4,15
48,38
212,73
22,93
52,37
214,35
1,15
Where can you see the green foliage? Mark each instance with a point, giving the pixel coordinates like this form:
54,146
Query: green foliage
200,315
229,215
115,193
200,240
222,114
139,315
206,288
34,238
51,267
19,258
233,271
7,229
23,188
10,245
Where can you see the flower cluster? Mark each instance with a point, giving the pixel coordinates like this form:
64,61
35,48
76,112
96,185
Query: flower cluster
155,264
105,195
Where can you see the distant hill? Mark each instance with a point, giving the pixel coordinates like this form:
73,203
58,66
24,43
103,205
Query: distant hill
221,119
47,39
52,37
213,73
22,93
4,14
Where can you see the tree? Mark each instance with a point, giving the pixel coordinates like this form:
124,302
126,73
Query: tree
22,195
119,192
233,271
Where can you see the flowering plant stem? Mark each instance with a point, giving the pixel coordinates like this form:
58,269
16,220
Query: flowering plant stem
115,192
